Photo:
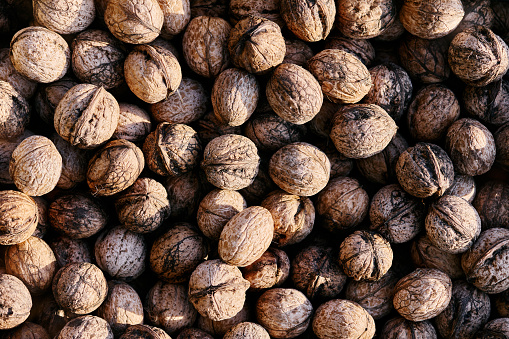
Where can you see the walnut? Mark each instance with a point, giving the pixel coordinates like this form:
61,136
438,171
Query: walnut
14,112
144,331
270,270
340,318
134,22
497,328
477,12
133,123
205,45
7,146
152,73
216,8
48,96
425,254
425,170
193,333
33,262
478,56
422,294
492,205
256,45
187,104
216,209
488,103
69,250
86,326
340,165
169,308
121,253
463,186
297,52
98,58
15,301
28,330
64,18
431,19
394,30
114,167
122,307
77,216
239,9
80,287
219,328
74,163
365,19
18,217
316,273
501,19
502,304
247,330
40,54
261,186
502,151
343,204
361,48
51,316
230,162
309,21
234,96
185,193
177,14
400,327
217,290
284,312
8,73
321,124
209,127
177,253
42,222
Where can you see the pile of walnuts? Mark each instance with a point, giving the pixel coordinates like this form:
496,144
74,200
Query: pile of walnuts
254,169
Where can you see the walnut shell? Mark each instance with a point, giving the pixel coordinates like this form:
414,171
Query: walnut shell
16,301
464,187
477,12
40,54
33,262
86,326
14,112
297,52
270,270
28,330
497,328
133,123
361,48
501,136
133,21
80,288
177,14
492,204
168,307
193,333
176,254
234,96
217,290
400,327
219,328
209,7
64,18
209,127
365,19
74,163
309,21
340,318
18,217
51,316
247,330
6,148
144,331
422,294
340,165
185,193
239,9
284,312
26,87
426,255
48,96
69,250
489,103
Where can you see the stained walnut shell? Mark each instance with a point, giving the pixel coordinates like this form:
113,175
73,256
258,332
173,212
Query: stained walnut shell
177,14
74,163
365,19
48,96
340,318
217,290
8,73
422,294
309,21
14,112
270,270
497,328
84,326
64,18
397,327
491,204
488,103
28,330
69,250
18,217
16,301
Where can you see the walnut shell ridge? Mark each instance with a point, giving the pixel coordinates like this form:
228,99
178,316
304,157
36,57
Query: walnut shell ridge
308,20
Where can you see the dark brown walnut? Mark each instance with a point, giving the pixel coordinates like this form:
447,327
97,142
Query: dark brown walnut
121,253
374,296
391,90
425,170
122,307
381,167
422,294
98,58
77,215
33,262
431,112
69,250
396,215
80,288
342,76
478,56
134,22
193,333
300,168
239,9
175,255
452,224
14,112
284,312
485,262
477,13
7,146
501,138
177,14
361,48
497,328
188,103
230,161
471,147
294,94
316,273
489,103
340,318
297,52
48,96
365,255
42,222
64,18
247,330
51,316
431,19
270,270
425,60
256,45
293,217
205,45
86,326
216,209
185,193
464,187
340,165
366,19
152,73
86,116
168,307
424,254
8,73
40,54
219,328
209,127
217,290
74,163
492,204
172,149
234,96
467,312
28,330
16,302
343,204
144,331
18,217
400,327
309,20
133,123
114,167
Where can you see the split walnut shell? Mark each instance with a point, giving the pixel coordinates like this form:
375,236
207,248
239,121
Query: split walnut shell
247,330
86,326
365,19
309,21
14,112
64,17
270,270
16,302
397,327
217,290
18,217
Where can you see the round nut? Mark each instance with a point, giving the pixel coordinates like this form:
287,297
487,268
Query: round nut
396,327
309,21
84,326
365,19
64,17
247,330
18,217
14,112
16,301
271,269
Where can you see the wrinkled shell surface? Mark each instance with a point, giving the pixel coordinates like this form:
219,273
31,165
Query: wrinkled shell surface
464,187
86,326
495,328
64,17
361,48
18,217
501,138
16,301
492,205
69,250
28,330
268,9
489,103
400,327
177,14
270,270
8,73
133,123
48,96
184,193
308,20
297,52
144,331
424,254
193,333
219,328
247,330
364,19
14,112
74,163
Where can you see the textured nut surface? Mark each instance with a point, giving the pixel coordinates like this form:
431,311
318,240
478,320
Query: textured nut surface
133,123
361,48
309,21
74,163
464,187
28,330
488,103
177,14
14,112
26,87
271,269
69,250
144,331
86,326
48,96
219,328
397,327
184,193
247,330
64,17
297,52
6,148
364,19
491,204
424,254
18,217
16,301
193,333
